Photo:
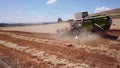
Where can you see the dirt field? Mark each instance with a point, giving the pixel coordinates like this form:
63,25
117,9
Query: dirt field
116,24
20,48
52,28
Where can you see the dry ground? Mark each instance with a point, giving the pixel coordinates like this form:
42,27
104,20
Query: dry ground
51,28
116,24
44,50
32,50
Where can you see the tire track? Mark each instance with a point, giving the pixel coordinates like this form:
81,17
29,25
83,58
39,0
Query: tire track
53,60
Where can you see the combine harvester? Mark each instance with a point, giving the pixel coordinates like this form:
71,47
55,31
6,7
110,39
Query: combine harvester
94,24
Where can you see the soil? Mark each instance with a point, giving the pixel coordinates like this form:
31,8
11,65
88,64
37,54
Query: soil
44,50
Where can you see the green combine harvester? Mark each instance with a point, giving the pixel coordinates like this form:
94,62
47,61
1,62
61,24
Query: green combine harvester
84,22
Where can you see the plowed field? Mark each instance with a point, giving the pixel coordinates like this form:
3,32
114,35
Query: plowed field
43,50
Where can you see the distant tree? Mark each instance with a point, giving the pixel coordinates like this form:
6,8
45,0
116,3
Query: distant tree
59,20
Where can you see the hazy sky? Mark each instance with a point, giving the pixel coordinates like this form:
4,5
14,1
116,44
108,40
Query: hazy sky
49,10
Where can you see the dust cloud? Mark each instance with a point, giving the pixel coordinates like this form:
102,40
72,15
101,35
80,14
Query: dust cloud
82,37
88,36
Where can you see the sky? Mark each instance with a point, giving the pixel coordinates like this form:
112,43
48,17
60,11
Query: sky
36,11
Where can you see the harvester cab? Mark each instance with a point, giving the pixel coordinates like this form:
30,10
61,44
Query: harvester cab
84,22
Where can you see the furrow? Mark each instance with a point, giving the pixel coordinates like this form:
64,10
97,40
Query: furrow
53,60
101,49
